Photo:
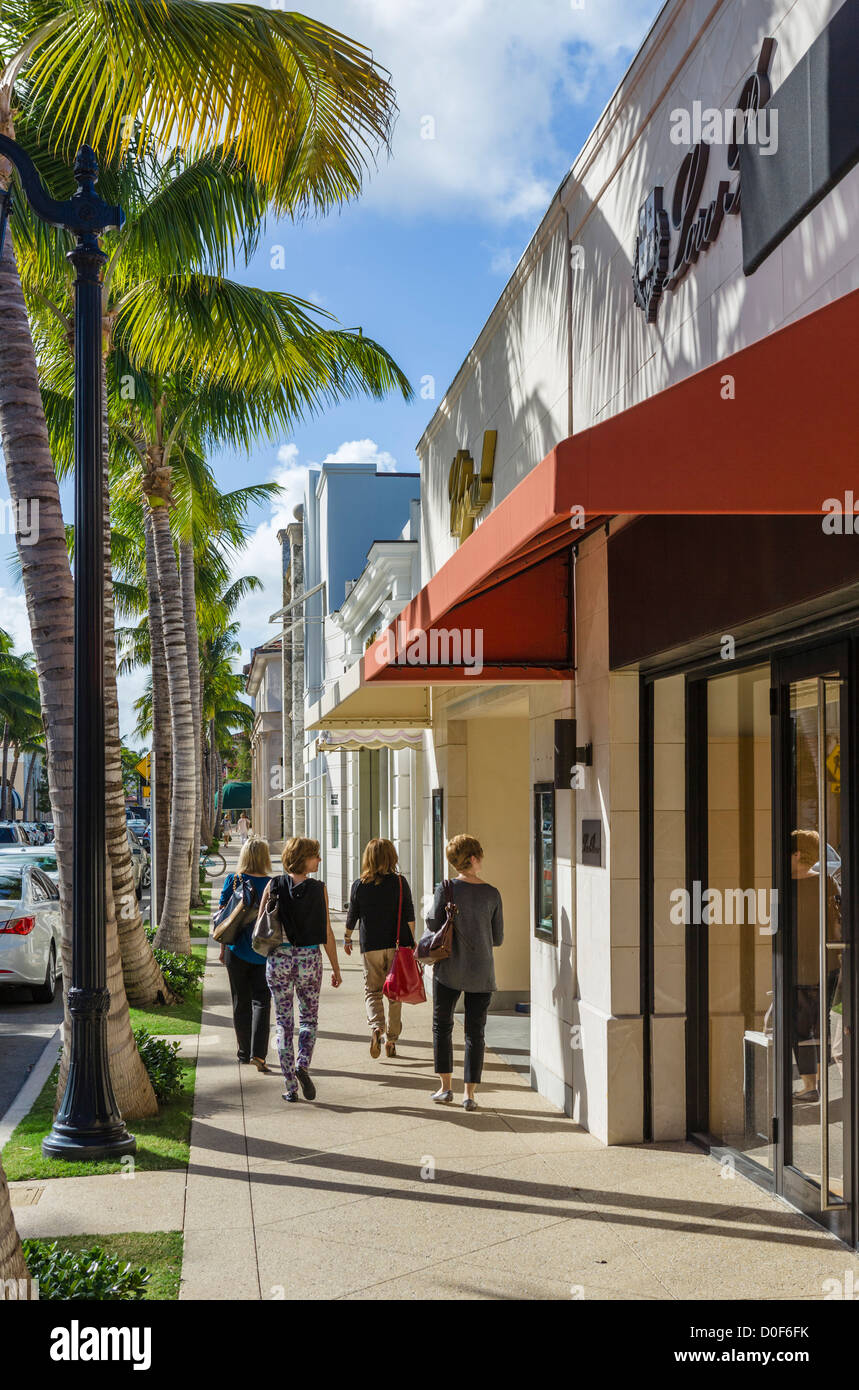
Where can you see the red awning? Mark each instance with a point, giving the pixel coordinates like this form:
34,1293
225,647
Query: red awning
773,429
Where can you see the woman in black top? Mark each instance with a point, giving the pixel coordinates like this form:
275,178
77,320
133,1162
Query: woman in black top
374,903
295,968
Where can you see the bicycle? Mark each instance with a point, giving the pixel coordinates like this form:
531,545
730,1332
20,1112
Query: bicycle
212,863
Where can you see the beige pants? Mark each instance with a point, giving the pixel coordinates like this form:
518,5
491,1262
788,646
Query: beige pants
377,964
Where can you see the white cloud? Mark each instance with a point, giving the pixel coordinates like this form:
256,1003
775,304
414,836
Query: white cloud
15,621
364,451
485,79
502,260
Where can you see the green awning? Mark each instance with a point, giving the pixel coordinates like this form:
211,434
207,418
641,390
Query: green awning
236,796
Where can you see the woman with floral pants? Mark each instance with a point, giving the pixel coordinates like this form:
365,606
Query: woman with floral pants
295,968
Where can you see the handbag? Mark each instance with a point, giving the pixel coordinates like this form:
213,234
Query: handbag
268,932
437,945
237,913
405,980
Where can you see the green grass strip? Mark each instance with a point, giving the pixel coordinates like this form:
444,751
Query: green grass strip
163,1142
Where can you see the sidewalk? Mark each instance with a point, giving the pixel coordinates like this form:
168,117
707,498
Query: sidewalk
372,1192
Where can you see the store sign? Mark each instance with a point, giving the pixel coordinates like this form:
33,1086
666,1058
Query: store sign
670,240
818,106
469,491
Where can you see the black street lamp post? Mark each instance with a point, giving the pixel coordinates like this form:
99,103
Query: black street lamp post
88,1124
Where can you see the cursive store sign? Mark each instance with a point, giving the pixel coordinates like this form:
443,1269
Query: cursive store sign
670,240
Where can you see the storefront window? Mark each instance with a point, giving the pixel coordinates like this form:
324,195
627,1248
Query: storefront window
544,860
740,912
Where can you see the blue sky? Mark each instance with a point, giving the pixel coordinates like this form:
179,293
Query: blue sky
509,92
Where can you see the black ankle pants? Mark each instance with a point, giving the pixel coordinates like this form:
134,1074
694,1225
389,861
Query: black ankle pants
476,1009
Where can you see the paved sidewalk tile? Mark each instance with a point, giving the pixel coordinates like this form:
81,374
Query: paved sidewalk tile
101,1205
373,1192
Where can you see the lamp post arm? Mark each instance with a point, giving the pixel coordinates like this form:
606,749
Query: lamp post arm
84,214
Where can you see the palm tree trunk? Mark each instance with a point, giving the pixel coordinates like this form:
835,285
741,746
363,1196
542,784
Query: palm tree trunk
174,928
12,775
131,1085
144,982
192,642
161,758
4,784
28,783
49,592
12,1265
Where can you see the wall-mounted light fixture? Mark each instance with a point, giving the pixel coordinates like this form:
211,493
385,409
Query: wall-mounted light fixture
571,758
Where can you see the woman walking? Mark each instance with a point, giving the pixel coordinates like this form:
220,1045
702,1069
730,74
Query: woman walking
295,968
245,967
380,900
470,968
243,828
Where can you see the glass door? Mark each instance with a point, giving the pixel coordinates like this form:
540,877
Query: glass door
814,938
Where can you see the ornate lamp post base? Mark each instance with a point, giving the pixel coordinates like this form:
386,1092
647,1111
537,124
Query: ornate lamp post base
88,1125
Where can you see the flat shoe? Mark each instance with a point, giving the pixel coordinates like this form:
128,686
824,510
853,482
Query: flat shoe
442,1097
375,1043
469,1104
307,1087
391,1049
290,1096
261,1065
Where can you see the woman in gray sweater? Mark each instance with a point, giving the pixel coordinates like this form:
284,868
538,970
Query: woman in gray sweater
478,927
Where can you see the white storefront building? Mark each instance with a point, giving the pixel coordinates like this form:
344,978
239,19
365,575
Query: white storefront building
566,479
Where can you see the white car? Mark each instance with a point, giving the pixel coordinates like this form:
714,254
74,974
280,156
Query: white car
12,833
43,856
30,929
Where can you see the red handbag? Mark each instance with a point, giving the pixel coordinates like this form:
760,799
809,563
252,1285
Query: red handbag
405,981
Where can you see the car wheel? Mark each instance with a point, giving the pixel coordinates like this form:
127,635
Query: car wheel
146,877
44,994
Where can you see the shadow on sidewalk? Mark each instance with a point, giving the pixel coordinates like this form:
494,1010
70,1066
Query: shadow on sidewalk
499,1194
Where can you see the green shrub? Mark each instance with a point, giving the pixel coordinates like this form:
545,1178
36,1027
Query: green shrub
162,1062
82,1274
182,974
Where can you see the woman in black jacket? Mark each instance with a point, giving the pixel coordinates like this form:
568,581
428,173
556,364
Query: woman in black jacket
377,897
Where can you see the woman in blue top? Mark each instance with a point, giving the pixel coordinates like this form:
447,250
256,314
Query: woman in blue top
245,967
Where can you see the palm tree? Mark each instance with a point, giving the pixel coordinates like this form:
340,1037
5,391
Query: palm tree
12,1264
19,710
280,93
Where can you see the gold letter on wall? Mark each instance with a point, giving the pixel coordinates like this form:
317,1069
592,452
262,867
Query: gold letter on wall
468,493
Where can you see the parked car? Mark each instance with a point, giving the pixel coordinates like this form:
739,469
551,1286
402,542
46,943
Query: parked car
43,856
138,825
139,862
30,930
12,833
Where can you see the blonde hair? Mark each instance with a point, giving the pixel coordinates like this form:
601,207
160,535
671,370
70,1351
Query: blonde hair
254,857
296,853
461,850
379,858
